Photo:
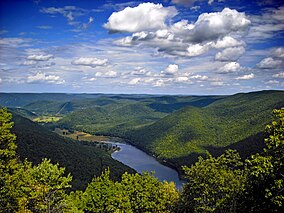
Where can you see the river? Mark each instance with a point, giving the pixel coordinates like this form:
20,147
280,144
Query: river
140,161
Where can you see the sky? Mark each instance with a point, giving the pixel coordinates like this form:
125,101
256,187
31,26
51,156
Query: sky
194,47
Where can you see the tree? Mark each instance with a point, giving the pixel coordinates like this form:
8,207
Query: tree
266,170
135,193
214,184
46,187
24,187
8,164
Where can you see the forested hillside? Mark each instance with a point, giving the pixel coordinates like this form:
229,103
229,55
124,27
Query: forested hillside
215,184
82,160
235,121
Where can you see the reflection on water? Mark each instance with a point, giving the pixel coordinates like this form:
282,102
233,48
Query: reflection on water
140,161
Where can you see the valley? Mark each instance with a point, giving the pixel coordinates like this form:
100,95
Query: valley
174,129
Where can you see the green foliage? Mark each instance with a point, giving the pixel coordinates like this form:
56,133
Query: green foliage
8,164
24,187
189,132
135,193
43,187
214,184
7,145
82,160
265,171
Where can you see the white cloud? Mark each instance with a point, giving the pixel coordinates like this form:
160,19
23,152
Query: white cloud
279,75
278,52
269,63
182,79
230,67
246,77
15,42
134,81
28,63
199,77
226,42
146,16
1,80
92,62
211,26
230,54
108,74
172,69
272,82
41,77
40,57
211,30
197,49
140,71
159,83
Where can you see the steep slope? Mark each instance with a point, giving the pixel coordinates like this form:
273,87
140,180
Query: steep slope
81,159
110,120
182,136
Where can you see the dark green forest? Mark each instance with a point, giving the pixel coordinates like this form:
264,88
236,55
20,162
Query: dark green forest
215,184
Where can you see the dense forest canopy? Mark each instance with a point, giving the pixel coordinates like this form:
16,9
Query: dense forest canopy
215,184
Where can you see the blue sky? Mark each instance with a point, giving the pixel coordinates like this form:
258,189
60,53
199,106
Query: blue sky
162,47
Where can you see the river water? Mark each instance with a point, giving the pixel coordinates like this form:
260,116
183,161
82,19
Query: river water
140,161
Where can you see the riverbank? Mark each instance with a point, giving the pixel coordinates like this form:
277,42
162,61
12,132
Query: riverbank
124,157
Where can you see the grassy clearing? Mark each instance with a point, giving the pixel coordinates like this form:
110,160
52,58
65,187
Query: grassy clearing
81,136
46,119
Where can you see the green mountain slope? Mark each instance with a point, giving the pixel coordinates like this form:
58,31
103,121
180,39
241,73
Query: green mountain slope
81,159
183,135
110,120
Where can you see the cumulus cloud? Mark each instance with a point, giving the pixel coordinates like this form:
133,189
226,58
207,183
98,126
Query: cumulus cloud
278,75
40,57
278,52
226,42
181,79
230,67
197,49
92,62
246,77
211,30
211,26
41,77
269,63
134,81
146,16
199,77
172,69
108,74
230,54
